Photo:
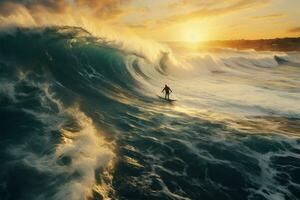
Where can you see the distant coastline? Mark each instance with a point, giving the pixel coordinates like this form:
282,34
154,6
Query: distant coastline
277,44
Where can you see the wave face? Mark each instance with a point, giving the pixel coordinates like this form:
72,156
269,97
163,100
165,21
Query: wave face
80,120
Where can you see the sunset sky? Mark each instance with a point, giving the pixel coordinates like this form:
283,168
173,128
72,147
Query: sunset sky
165,20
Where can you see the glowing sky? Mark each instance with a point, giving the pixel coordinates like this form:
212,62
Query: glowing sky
166,20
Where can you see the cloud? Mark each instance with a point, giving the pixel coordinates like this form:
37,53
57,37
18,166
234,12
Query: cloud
112,10
294,30
51,5
196,3
105,10
209,11
189,10
136,26
269,16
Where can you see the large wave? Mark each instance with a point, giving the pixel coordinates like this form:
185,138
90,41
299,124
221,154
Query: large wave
58,80
80,120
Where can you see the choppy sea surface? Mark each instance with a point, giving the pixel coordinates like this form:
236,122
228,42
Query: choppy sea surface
80,119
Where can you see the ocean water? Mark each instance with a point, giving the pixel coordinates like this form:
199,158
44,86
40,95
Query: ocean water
80,119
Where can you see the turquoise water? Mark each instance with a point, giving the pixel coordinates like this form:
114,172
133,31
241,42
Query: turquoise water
80,119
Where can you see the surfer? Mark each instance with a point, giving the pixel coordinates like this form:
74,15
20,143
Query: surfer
167,90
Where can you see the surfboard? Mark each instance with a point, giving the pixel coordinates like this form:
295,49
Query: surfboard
168,100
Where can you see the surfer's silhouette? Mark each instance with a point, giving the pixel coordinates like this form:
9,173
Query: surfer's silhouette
167,90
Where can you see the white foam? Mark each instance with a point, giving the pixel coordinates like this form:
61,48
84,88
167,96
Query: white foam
85,146
8,89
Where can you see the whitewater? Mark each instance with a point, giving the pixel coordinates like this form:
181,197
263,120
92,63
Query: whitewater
80,119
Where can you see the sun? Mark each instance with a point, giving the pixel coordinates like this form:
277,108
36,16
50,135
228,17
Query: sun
193,32
192,36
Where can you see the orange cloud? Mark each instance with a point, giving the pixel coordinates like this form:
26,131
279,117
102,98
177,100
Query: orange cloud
200,9
294,30
270,16
38,10
208,11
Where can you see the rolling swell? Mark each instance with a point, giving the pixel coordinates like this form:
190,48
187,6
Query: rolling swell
78,123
